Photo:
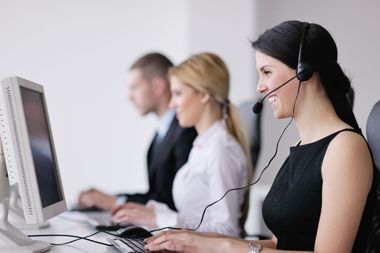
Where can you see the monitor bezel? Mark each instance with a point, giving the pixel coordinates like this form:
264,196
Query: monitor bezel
27,179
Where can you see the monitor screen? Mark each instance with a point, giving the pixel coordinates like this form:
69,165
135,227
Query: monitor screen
41,147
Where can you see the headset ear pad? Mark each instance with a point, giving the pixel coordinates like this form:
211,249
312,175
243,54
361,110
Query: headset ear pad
304,71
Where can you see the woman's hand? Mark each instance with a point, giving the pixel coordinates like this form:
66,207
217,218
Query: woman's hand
134,213
96,198
188,242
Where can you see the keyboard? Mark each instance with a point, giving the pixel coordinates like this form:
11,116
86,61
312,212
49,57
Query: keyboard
99,219
127,245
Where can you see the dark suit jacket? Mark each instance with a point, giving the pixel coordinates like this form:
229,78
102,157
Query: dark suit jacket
164,160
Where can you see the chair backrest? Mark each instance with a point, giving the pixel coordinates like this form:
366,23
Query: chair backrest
252,124
373,138
373,133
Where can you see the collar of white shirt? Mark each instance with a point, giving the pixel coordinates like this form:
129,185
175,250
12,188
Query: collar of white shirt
164,123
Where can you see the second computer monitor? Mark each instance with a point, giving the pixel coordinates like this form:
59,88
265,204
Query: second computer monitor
29,149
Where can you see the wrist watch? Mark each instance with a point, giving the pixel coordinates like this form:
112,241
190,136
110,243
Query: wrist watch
254,247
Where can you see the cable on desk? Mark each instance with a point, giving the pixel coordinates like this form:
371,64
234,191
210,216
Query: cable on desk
74,236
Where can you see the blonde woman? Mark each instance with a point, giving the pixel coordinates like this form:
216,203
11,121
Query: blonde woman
218,160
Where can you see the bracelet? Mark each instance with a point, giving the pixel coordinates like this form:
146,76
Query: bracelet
254,247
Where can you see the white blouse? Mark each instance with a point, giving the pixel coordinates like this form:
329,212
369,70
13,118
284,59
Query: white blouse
216,164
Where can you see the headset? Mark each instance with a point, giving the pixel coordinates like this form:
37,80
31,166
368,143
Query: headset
304,70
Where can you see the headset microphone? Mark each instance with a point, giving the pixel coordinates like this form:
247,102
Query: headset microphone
259,105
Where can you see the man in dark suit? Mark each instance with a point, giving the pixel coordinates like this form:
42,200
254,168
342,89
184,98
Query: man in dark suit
149,90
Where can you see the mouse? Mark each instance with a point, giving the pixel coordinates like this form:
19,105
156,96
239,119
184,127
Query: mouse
133,232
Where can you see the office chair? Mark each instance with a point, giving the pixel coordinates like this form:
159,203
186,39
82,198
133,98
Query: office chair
373,138
373,133
252,123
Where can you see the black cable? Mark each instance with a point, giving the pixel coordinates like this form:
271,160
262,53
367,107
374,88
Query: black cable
246,186
74,236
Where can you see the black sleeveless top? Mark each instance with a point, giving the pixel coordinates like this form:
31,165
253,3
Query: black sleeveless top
292,208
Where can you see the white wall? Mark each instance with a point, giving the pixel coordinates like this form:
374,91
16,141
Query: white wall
224,27
80,52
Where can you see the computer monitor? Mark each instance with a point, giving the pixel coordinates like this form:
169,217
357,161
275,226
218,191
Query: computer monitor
30,160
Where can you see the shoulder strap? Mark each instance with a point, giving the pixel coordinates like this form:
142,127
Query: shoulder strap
358,131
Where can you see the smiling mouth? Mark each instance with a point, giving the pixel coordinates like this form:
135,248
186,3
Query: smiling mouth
272,99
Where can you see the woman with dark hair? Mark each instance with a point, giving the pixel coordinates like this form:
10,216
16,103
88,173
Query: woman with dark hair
323,197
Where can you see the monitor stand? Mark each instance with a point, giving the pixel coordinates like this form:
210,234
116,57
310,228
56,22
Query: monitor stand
12,239
16,215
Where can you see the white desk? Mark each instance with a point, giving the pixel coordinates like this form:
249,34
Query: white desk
65,224
62,225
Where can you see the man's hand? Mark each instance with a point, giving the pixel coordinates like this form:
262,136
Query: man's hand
95,198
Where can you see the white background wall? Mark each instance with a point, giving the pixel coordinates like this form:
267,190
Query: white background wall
80,51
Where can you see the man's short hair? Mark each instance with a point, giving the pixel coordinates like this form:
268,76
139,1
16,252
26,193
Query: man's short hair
153,65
